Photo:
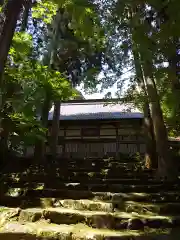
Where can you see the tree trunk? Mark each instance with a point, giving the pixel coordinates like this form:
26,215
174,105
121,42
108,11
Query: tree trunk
165,168
27,7
151,159
57,104
12,11
55,129
174,70
5,125
40,146
6,109
150,155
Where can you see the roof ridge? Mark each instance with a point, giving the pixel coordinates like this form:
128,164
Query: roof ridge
93,100
91,103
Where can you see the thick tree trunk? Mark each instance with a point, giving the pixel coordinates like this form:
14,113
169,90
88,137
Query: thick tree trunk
151,159
12,11
55,129
165,168
174,77
150,155
57,104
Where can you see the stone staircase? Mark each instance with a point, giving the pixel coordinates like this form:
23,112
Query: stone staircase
87,199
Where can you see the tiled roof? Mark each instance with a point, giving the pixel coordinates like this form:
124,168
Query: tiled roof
95,110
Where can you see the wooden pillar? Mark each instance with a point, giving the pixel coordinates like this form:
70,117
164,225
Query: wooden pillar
64,142
138,143
117,142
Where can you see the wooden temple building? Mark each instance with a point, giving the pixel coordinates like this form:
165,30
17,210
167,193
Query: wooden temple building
95,128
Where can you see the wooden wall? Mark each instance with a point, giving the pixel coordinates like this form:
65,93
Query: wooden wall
98,139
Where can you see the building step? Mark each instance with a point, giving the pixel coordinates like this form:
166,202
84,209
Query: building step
98,187
58,181
98,219
95,219
99,164
100,168
62,162
87,167
170,208
70,174
105,195
42,230
23,197
80,172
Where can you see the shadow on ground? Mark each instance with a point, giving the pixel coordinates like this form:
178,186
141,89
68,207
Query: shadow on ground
21,236
173,235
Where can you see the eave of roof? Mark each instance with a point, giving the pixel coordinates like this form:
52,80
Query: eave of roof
95,109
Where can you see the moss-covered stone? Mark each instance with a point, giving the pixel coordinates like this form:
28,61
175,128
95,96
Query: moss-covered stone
91,218
85,204
8,214
43,230
31,215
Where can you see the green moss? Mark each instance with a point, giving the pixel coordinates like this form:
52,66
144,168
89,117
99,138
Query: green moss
3,209
91,174
39,187
47,202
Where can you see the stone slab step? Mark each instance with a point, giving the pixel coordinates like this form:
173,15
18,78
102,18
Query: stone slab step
97,161
98,169
36,198
78,172
98,219
128,160
87,168
119,204
45,231
111,206
18,194
57,181
109,187
80,175
169,208
95,219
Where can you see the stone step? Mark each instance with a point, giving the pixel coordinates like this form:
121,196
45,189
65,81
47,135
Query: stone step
95,168
43,231
101,165
101,161
98,219
98,187
81,172
169,208
111,206
35,198
89,175
121,160
79,175
59,181
76,194
87,168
